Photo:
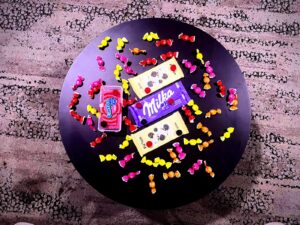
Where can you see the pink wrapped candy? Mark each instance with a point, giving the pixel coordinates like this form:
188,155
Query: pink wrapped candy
231,96
90,123
122,58
209,69
129,70
101,63
198,91
179,150
95,88
78,83
131,175
126,159
187,64
195,167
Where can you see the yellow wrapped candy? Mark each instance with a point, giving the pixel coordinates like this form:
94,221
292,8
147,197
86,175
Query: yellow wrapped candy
125,86
125,143
195,107
107,157
121,43
227,134
117,72
199,56
150,36
192,141
104,43
93,110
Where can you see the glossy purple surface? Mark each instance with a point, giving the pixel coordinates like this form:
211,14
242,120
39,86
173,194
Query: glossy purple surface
221,156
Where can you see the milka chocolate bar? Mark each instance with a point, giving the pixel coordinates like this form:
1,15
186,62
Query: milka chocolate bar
159,104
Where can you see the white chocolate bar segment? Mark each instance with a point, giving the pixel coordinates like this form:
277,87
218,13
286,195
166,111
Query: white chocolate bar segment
164,76
159,133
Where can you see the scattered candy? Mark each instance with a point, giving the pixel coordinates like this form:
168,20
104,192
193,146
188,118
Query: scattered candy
173,155
98,140
129,70
121,43
206,81
209,170
125,86
187,64
188,114
75,100
104,43
101,63
148,62
192,142
195,167
205,144
213,112
221,89
122,58
188,38
152,183
171,174
232,99
199,56
137,51
179,150
128,102
128,122
203,129
227,134
164,42
169,55
150,36
95,88
78,83
107,157
195,107
117,72
131,175
198,91
125,143
157,162
92,110
90,123
126,159
209,69
77,117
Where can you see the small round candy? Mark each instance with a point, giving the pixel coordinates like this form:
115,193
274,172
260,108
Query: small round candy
173,68
179,132
149,144
103,123
139,105
147,90
144,121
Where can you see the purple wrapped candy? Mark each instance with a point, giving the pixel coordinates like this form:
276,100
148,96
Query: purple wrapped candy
159,104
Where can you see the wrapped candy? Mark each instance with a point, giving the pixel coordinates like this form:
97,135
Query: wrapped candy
171,174
213,112
187,64
101,63
75,100
121,43
125,86
227,134
78,82
95,88
125,143
192,142
209,170
195,167
90,123
169,55
204,129
164,42
209,69
188,38
117,72
205,144
152,183
92,110
104,43
130,175
157,162
77,117
198,91
173,155
232,99
128,102
122,58
188,114
150,36
221,88
206,81
137,51
128,122
129,70
108,157
195,107
98,140
179,150
199,56
126,159
148,62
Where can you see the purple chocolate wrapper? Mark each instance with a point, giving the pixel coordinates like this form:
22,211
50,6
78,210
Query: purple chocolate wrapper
157,105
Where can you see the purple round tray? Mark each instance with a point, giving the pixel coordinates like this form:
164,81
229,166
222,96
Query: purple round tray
221,156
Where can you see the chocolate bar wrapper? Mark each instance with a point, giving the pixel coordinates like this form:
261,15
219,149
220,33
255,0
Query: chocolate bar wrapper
156,78
160,133
159,104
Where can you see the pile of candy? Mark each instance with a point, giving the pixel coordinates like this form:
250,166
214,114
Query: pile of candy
155,79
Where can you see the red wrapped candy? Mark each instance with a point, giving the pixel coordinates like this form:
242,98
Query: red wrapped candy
188,38
148,61
128,122
164,42
169,55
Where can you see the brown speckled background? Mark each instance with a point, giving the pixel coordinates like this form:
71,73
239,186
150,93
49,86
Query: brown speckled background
39,40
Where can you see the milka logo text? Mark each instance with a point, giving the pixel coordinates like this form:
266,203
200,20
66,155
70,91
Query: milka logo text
155,104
